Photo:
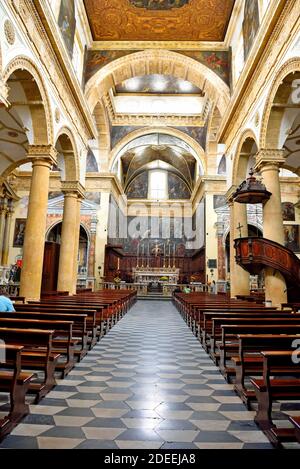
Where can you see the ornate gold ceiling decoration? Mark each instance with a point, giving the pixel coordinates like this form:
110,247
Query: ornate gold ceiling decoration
170,20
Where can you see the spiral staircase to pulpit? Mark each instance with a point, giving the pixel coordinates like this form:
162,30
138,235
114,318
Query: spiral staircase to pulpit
254,254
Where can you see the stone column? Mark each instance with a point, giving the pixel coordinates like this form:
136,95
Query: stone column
3,211
91,261
7,234
239,278
76,245
69,236
42,157
268,163
221,251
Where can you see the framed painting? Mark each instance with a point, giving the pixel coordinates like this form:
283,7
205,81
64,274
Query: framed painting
292,237
288,211
67,23
250,24
19,232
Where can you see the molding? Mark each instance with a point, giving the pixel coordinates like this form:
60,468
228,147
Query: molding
154,119
269,157
73,187
42,152
277,26
170,45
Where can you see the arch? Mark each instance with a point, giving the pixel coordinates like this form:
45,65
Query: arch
40,114
289,67
240,162
69,149
57,222
157,61
114,154
103,126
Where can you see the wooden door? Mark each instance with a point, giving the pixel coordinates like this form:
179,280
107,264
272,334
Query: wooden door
50,266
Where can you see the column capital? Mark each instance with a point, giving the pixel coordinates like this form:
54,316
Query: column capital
42,154
73,187
4,90
220,228
229,194
269,157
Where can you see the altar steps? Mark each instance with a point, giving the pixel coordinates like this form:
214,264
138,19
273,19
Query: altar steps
154,296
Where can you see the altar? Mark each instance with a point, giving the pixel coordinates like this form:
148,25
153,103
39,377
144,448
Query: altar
164,275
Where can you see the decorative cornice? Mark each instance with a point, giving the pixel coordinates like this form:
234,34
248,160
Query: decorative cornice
269,157
171,120
73,187
169,45
42,152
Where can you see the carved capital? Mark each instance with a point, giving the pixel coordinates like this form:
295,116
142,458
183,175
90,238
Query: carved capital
73,187
42,154
220,229
3,93
267,158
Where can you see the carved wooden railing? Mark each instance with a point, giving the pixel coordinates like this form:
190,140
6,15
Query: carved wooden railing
254,254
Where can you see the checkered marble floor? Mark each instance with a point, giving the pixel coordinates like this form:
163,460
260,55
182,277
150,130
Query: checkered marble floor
147,384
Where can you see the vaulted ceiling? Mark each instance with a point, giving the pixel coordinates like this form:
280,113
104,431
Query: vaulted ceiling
159,20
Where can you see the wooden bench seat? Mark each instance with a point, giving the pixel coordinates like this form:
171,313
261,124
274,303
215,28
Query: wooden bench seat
268,389
62,340
36,355
213,327
249,361
15,383
228,346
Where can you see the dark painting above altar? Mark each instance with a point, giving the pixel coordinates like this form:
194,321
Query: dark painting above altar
159,4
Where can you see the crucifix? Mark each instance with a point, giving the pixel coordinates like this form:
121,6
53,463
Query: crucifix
239,227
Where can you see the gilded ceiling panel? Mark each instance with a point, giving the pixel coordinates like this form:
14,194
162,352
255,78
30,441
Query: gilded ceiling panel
159,20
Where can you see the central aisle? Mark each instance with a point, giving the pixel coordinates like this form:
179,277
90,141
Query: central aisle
147,384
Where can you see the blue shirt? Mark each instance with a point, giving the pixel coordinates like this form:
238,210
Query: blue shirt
6,304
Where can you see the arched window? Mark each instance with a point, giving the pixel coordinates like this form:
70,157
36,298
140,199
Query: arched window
158,185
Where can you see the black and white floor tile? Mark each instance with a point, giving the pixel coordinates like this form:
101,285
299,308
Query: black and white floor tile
147,384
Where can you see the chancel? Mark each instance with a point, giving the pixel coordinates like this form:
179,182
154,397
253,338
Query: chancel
150,226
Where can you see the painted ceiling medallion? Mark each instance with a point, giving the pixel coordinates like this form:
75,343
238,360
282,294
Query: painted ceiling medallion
9,32
159,4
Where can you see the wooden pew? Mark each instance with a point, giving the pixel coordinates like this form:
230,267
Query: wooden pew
249,361
269,389
214,333
79,328
296,422
15,382
206,325
91,324
228,346
37,355
62,340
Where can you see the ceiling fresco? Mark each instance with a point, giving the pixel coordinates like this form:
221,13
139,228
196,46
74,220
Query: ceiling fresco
217,61
159,20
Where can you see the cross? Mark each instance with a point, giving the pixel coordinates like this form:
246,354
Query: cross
239,227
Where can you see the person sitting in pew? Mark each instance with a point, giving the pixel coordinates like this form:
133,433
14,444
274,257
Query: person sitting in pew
5,303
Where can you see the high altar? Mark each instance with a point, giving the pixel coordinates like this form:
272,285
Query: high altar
154,274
